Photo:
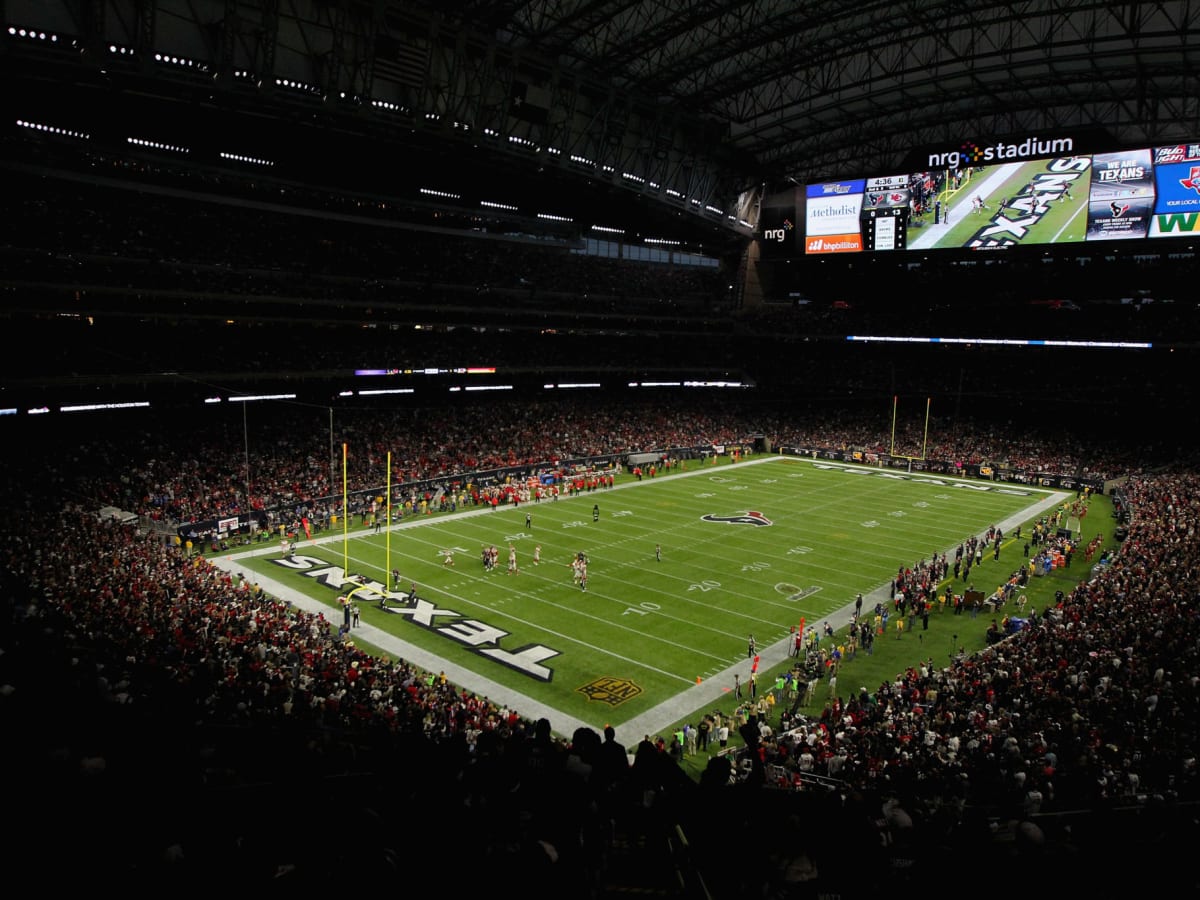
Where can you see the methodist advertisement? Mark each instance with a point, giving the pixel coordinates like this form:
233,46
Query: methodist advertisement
832,217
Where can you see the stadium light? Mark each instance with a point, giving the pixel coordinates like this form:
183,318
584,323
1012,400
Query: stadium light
248,398
156,145
53,129
238,157
92,407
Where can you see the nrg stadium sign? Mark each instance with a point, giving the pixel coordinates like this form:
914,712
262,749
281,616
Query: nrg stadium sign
779,234
478,636
972,154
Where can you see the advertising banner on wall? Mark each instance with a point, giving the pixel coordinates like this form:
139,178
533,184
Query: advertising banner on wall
831,217
1176,190
778,234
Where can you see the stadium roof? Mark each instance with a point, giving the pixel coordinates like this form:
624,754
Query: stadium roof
685,108
809,89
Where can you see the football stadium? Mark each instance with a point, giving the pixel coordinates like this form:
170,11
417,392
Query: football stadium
685,450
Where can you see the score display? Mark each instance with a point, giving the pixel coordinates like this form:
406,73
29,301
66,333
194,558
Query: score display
1072,198
884,216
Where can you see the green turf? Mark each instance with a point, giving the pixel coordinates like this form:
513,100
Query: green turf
645,630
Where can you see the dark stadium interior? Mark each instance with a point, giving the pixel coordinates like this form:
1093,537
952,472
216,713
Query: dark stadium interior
393,237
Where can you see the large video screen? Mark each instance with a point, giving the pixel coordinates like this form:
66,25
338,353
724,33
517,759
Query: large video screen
1068,198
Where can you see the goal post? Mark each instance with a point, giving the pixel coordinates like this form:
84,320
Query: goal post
924,437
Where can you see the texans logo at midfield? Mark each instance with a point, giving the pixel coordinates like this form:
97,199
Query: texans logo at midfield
746,518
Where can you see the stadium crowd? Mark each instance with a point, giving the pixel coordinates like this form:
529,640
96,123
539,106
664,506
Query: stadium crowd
197,469
243,738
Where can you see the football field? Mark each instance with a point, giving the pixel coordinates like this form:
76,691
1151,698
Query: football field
681,570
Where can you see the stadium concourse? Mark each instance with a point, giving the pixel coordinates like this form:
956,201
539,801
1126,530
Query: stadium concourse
653,722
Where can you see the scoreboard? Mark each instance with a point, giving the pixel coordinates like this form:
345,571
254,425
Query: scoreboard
996,200
886,207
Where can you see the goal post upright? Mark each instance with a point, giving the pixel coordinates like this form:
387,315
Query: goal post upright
387,521
925,437
345,515
895,402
